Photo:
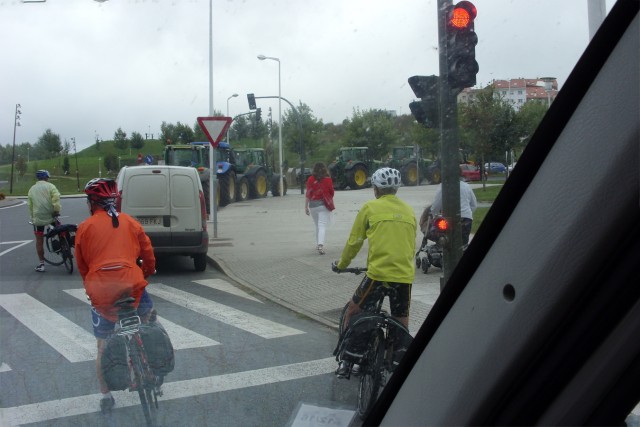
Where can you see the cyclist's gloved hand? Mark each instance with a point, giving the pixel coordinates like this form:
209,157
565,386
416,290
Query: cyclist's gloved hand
334,267
56,214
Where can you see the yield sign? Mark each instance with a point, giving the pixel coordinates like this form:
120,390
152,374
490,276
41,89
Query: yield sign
214,128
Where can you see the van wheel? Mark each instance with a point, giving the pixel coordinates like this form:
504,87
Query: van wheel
200,262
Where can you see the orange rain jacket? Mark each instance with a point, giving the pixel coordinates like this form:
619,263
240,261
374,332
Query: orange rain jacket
106,259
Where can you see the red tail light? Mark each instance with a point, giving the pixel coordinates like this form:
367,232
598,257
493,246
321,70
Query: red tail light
442,224
203,211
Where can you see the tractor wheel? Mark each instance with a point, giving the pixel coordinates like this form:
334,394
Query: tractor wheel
243,190
436,177
227,188
357,177
275,185
259,188
410,174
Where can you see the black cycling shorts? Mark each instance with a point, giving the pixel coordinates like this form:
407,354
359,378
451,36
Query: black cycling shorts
370,291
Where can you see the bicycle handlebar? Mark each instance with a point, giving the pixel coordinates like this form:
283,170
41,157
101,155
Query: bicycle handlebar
354,270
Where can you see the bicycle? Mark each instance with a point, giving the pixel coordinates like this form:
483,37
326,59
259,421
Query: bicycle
139,375
372,349
59,240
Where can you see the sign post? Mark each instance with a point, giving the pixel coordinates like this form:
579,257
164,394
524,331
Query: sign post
214,128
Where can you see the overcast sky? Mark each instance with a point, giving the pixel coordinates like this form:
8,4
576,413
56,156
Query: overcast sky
84,68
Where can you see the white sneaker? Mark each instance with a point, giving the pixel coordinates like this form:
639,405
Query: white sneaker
40,268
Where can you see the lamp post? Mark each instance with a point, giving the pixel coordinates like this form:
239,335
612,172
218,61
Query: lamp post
75,152
27,156
232,96
548,87
99,167
262,58
16,123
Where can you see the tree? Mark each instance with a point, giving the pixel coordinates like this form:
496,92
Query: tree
311,128
120,140
48,145
487,125
136,142
65,165
374,129
527,120
111,162
241,128
21,166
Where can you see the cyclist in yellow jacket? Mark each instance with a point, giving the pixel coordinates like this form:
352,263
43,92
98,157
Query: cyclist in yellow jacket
389,224
43,200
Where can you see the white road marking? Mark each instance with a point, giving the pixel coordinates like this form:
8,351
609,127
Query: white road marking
73,406
181,338
17,244
67,338
224,286
229,315
4,367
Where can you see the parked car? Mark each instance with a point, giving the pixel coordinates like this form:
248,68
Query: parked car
470,172
495,167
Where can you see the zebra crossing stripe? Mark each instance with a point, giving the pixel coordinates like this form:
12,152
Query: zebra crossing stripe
229,315
4,367
73,406
224,286
181,338
67,338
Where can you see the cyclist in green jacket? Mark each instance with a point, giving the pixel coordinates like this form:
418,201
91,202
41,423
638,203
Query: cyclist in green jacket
44,204
389,224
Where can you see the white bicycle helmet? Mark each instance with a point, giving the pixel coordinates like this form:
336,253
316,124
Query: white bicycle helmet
386,178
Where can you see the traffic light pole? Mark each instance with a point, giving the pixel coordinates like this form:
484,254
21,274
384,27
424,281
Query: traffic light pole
452,251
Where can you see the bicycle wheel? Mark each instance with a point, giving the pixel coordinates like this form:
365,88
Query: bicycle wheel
371,379
145,389
67,256
52,256
341,324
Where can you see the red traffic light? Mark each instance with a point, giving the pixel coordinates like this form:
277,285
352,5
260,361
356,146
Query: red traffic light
441,224
462,15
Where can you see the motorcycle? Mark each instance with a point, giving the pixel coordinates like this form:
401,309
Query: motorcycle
434,228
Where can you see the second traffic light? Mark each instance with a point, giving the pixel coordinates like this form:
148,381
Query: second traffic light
427,110
461,45
258,114
252,101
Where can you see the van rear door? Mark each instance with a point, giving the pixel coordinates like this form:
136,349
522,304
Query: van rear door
147,198
186,218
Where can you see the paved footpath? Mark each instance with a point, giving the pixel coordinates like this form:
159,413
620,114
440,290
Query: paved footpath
268,245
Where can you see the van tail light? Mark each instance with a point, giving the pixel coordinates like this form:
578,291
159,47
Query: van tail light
119,201
203,211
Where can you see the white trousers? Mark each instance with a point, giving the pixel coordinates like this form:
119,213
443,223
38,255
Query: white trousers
321,217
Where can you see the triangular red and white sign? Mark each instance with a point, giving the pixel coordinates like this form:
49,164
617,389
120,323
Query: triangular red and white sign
214,128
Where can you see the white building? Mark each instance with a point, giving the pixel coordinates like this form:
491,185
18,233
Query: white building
517,91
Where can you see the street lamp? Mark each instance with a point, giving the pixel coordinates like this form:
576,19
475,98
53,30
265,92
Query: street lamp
27,156
548,86
99,167
16,123
232,96
76,155
262,58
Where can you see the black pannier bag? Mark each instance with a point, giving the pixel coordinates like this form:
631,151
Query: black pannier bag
115,367
158,348
353,344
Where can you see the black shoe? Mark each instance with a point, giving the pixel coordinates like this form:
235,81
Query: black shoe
106,404
153,315
344,370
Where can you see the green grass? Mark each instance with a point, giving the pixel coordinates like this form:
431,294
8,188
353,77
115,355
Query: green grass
487,194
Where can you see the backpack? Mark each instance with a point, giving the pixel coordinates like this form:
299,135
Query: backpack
158,348
354,342
114,365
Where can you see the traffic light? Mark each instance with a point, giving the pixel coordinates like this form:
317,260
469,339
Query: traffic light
427,110
461,45
258,114
252,101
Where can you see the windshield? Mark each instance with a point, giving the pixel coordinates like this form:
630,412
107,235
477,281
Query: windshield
244,287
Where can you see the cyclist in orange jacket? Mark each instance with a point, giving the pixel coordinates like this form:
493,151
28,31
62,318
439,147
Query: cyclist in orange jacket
107,247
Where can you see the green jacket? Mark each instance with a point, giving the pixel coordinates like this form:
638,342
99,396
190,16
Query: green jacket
43,200
390,226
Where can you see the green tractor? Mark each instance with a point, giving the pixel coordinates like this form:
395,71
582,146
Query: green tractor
352,168
413,169
254,176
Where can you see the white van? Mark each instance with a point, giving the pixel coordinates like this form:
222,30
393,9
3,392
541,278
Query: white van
169,203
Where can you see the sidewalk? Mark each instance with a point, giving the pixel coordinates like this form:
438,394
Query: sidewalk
268,246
